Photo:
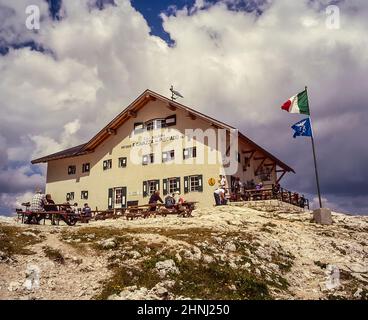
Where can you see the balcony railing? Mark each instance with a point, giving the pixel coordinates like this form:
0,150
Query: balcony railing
273,193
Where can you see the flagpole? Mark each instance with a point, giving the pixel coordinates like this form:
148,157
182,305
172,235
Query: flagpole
314,157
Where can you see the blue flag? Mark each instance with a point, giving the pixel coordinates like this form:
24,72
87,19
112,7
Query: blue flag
303,128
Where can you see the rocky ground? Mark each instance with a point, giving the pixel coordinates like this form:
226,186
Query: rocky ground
220,253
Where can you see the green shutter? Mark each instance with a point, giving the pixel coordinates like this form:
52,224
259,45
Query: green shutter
178,184
124,197
145,191
186,184
165,187
200,180
110,196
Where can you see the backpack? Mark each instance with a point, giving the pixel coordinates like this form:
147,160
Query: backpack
169,202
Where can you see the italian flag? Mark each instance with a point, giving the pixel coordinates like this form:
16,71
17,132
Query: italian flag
297,104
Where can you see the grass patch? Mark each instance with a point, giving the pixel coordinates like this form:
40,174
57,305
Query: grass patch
54,255
320,264
342,251
196,279
13,242
204,281
283,260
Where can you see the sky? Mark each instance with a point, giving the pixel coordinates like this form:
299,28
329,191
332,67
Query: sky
235,60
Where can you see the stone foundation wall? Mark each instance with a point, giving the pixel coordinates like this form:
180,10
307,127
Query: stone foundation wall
269,206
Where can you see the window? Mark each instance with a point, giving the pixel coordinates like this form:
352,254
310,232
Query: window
70,196
171,185
150,186
168,155
190,153
85,167
84,195
122,162
193,183
238,157
155,124
72,169
148,158
107,164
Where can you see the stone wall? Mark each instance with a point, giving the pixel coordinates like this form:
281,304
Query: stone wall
269,206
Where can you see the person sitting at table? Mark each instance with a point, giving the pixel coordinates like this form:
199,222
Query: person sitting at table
86,211
153,200
37,208
50,204
170,201
180,204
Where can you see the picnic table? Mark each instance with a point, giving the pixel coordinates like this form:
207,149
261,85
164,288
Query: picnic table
108,214
145,211
63,213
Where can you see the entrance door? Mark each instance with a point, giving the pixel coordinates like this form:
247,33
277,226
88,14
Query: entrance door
120,197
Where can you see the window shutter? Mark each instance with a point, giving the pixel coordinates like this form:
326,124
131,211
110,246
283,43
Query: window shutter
145,189
67,196
157,185
170,121
194,153
186,184
165,187
178,184
138,127
124,162
110,195
123,197
200,183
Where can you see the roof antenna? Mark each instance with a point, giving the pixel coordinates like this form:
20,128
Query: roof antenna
175,94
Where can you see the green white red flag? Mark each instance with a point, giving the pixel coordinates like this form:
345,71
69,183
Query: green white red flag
297,104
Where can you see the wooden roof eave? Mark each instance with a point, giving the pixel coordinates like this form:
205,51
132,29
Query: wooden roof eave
269,155
122,117
48,158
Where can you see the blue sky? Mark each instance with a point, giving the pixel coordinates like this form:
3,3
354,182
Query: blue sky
151,10
239,61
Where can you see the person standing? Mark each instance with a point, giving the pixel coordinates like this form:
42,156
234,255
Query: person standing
155,197
223,181
219,195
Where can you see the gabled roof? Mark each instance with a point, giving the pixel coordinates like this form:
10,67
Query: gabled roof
131,111
71,152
